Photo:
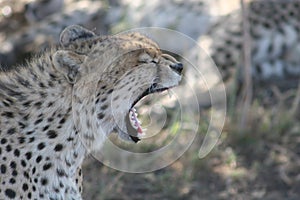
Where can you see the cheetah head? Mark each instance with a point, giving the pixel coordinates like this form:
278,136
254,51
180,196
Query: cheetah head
109,75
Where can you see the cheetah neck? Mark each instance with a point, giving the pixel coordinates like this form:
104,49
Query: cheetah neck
36,111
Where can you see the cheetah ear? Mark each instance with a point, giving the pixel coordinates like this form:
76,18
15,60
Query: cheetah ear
74,32
68,63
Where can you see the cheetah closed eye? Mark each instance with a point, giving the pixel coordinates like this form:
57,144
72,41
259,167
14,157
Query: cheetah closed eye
63,104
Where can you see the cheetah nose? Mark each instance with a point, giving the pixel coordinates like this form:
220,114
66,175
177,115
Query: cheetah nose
178,67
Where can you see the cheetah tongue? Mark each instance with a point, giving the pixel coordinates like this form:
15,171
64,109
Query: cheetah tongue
135,123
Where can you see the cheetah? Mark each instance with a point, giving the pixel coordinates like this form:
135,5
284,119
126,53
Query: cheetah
273,40
62,105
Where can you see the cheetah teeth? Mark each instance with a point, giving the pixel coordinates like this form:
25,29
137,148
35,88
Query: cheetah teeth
135,122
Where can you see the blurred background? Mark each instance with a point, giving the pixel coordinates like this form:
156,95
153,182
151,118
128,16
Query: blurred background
255,45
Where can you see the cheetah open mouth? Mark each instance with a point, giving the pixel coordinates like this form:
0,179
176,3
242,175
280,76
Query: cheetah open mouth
133,124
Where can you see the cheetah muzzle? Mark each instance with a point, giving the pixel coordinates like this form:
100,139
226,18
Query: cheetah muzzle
134,128
63,104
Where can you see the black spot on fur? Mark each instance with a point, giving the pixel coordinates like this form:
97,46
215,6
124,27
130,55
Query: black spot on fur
51,134
41,146
50,119
43,95
22,125
38,121
25,187
31,140
61,172
47,166
100,116
8,114
27,103
8,148
109,91
38,159
41,85
10,193
44,181
3,169
104,107
45,128
58,147
28,155
17,152
21,140
11,131
33,170
55,190
12,181
62,121
13,164
23,163
50,84
3,140
50,104
52,77
26,175
26,117
14,173
38,104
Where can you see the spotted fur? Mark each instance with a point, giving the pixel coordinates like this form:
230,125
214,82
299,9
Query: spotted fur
274,41
62,105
